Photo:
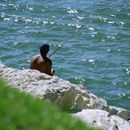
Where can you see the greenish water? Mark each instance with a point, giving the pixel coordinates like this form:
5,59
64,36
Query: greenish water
98,53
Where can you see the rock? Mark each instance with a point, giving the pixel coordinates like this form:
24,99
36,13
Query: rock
102,119
123,113
61,92
67,96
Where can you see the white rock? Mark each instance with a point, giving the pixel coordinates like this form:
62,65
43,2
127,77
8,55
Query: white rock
67,96
59,91
118,111
102,119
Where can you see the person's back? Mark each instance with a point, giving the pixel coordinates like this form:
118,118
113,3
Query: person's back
41,62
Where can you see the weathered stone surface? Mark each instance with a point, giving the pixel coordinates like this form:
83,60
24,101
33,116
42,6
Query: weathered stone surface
118,111
103,119
59,91
67,96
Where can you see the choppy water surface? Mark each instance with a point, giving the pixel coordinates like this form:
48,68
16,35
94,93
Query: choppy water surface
98,53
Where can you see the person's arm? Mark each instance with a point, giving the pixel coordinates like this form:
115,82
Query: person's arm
52,71
33,61
49,70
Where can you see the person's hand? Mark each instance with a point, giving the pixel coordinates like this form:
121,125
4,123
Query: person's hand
52,71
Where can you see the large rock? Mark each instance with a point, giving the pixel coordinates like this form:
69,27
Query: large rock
52,88
67,96
102,119
117,111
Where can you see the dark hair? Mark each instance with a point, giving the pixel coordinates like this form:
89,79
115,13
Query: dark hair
44,50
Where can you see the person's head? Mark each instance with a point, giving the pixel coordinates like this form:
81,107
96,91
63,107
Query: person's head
44,50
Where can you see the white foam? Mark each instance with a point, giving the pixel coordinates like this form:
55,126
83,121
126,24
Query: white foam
72,11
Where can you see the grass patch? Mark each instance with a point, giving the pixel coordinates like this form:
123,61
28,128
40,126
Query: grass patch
19,111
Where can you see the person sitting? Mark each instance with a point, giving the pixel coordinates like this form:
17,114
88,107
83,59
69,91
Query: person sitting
41,62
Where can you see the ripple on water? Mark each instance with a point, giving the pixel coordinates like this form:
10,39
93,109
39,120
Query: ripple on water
72,11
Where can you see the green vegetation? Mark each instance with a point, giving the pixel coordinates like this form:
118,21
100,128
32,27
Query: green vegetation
19,111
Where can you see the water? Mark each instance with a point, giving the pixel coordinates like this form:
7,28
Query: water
98,53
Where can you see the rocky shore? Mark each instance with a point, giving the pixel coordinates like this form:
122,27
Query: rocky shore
87,106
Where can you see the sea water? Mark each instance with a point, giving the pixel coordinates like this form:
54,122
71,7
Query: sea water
95,39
